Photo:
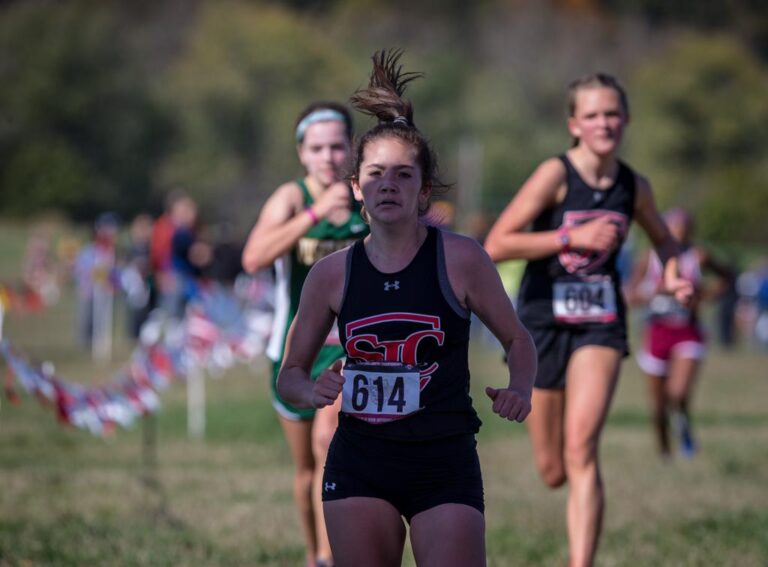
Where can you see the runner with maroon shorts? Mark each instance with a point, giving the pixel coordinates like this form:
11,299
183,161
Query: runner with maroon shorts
674,342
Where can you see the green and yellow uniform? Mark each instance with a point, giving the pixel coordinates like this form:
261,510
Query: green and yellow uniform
291,270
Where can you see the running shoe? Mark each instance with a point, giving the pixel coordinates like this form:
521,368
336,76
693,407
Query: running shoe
687,443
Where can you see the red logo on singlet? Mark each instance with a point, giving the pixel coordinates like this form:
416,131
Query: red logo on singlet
575,260
365,345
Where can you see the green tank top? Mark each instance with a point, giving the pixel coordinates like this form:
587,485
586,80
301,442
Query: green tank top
321,240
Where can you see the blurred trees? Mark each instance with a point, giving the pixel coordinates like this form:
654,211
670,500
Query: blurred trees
700,134
107,105
746,18
234,94
78,130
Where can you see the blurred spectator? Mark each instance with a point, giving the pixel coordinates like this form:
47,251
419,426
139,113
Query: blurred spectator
160,252
726,312
224,269
93,271
189,255
226,264
136,276
67,249
39,272
752,287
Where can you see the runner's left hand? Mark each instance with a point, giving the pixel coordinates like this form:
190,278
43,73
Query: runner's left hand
509,404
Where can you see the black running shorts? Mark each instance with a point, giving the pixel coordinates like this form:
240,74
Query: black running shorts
555,345
412,476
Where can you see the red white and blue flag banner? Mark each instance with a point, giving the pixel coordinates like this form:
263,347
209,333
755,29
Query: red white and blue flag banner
218,331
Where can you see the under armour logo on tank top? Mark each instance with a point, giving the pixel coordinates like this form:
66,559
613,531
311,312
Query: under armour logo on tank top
407,371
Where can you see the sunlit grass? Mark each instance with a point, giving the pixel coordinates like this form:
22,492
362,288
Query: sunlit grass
68,498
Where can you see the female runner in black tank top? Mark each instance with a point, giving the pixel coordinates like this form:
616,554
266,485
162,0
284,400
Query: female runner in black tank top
580,206
402,299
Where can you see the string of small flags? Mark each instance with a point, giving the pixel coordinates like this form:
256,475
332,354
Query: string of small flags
218,331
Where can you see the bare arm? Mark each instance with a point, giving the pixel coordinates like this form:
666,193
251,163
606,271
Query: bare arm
477,284
647,215
635,290
283,222
280,225
508,239
320,298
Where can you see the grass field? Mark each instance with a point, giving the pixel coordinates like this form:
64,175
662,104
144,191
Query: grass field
67,498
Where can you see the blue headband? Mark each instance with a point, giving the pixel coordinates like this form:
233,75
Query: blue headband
322,115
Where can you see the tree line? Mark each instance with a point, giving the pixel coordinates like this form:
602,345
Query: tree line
108,105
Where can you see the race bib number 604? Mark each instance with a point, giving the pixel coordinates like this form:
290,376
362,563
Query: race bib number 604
584,300
380,392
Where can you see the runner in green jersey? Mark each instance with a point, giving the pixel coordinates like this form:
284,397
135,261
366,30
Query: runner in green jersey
300,223
291,270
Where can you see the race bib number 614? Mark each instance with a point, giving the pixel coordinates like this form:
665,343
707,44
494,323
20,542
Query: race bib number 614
380,392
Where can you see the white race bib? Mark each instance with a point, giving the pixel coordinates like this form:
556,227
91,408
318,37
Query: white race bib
591,299
667,308
379,392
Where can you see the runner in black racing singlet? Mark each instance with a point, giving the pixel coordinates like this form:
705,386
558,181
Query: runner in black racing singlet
574,298
582,203
411,317
405,445
579,206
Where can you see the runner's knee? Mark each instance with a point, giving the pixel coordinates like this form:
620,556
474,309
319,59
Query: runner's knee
552,472
676,398
580,455
321,440
302,479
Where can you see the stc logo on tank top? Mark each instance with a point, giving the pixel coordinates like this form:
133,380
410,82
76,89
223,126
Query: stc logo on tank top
363,342
578,261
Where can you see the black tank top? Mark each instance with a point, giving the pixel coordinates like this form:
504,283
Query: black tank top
578,288
411,317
